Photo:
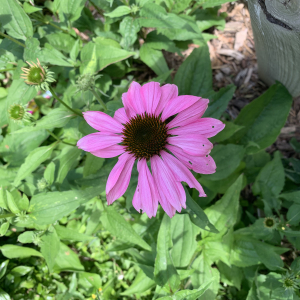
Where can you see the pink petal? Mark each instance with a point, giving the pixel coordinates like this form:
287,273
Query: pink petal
151,94
119,177
177,105
167,185
102,122
199,164
181,172
191,114
193,144
98,140
128,109
121,116
146,196
108,152
209,127
168,92
134,98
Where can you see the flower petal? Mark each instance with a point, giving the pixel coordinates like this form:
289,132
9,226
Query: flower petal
108,152
181,172
168,92
209,127
166,183
128,109
151,94
119,177
193,144
177,105
121,116
146,196
134,98
199,164
102,122
98,140
191,114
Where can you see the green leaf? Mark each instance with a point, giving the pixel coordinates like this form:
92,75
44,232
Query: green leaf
49,173
29,9
90,280
3,228
140,284
161,42
13,251
194,76
3,268
164,271
4,295
129,28
231,275
67,260
61,41
154,59
227,132
3,198
120,11
50,207
70,10
11,203
68,234
50,247
67,160
33,161
183,233
26,237
197,215
263,119
291,196
92,164
14,20
218,101
227,158
117,226
223,214
20,271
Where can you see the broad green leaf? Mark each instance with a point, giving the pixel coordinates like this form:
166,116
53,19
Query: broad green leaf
70,10
120,11
211,3
13,251
4,295
154,59
90,280
117,226
3,228
161,42
50,207
50,247
33,161
53,56
223,214
67,160
3,268
231,275
129,28
164,271
68,234
3,198
183,233
61,41
7,176
26,237
140,284
227,158
291,196
67,260
194,76
29,9
11,203
197,215
92,164
263,119
227,132
293,214
218,101
20,271
14,20
205,274
50,173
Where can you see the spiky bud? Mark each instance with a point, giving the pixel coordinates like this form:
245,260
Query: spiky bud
22,217
37,75
19,113
42,184
270,223
86,82
290,282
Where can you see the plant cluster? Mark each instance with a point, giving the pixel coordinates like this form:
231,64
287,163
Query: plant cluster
59,238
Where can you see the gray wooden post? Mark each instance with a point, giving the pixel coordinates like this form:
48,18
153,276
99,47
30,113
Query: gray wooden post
276,30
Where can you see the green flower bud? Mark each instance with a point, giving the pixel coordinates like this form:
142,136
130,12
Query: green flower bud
36,239
37,75
290,282
19,113
270,223
86,82
21,217
42,184
134,8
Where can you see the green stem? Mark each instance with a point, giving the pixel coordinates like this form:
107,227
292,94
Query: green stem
99,99
12,39
6,216
58,139
8,69
63,103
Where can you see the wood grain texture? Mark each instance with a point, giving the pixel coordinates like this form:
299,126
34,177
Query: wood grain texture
276,29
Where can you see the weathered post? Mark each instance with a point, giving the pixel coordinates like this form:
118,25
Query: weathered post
276,29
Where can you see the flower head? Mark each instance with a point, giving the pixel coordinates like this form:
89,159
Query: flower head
19,113
270,223
160,130
37,75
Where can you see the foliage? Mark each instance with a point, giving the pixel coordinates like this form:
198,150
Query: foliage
59,239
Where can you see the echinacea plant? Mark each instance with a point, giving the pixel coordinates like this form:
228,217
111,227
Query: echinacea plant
160,129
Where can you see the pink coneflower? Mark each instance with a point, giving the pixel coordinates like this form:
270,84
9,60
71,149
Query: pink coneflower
159,128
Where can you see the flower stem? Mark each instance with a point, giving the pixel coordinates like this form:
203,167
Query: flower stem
8,69
58,139
12,39
63,103
99,99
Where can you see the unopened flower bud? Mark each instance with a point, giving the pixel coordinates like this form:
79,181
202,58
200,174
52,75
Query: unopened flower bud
42,184
19,113
86,82
37,75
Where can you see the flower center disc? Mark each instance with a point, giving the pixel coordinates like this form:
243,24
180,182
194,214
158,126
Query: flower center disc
35,75
145,136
